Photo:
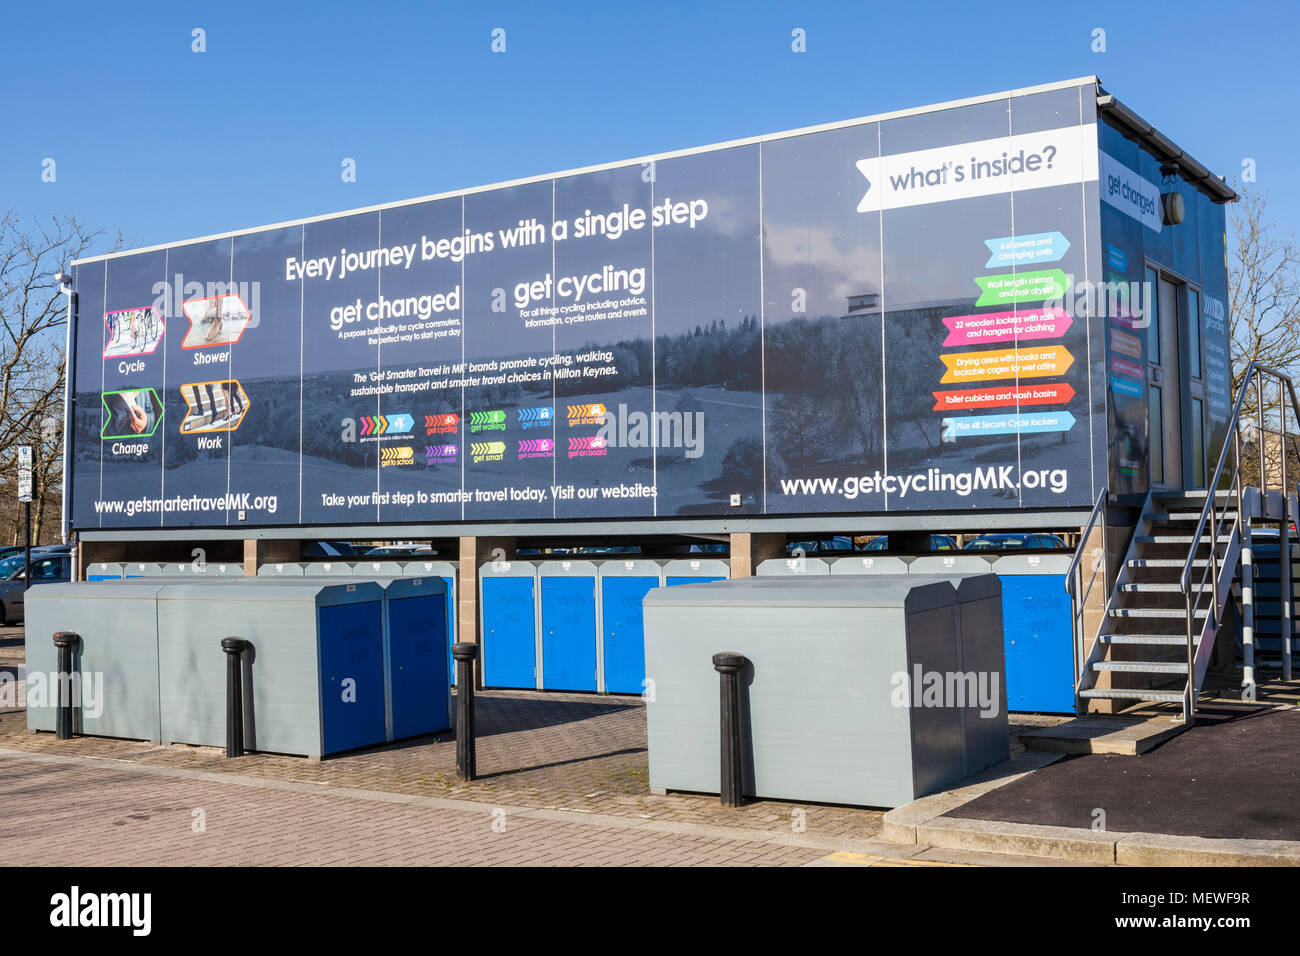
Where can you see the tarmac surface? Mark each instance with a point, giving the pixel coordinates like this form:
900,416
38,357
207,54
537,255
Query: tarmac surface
1234,775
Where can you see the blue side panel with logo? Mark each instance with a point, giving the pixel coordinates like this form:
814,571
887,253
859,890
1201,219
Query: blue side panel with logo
509,632
352,675
569,633
417,638
624,632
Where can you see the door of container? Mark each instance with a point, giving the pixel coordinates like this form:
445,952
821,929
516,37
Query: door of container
568,625
351,675
1036,632
623,586
417,653
1164,379
508,609
447,571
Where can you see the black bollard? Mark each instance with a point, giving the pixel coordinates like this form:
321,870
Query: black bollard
234,648
64,719
465,654
728,665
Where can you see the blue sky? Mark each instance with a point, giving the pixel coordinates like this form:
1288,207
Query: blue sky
168,144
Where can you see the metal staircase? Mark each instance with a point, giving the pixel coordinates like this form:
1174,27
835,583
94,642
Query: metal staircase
1188,562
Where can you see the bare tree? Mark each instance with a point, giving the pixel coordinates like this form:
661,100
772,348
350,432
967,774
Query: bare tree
1263,326
1263,290
33,313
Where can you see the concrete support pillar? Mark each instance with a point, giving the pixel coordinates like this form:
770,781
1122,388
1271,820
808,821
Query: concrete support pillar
93,552
259,551
749,549
473,553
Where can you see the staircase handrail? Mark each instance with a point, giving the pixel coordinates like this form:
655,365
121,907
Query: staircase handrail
1074,579
1255,373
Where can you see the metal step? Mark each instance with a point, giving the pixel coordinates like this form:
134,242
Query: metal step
1162,612
1141,667
1175,539
1170,696
1151,587
1168,640
1229,516
1167,562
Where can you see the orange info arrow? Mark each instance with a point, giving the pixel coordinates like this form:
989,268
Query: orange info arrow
1055,393
1006,363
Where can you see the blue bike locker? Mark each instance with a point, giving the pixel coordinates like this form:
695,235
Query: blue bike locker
291,569
869,564
508,614
208,570
351,648
104,571
793,566
447,571
378,569
329,569
623,586
695,570
1036,632
569,644
419,690
942,564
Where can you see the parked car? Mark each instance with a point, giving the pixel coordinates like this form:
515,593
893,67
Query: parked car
1014,542
836,543
330,549
53,564
399,551
938,542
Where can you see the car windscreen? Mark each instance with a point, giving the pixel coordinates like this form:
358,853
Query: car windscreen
1009,541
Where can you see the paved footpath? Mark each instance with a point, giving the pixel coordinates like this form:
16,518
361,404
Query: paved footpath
85,811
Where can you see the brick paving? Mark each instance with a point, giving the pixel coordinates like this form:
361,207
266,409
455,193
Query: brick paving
576,753
75,814
578,756
550,751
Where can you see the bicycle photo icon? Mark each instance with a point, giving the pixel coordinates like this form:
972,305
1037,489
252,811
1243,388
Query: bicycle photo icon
133,331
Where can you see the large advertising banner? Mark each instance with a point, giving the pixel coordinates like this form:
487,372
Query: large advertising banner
877,316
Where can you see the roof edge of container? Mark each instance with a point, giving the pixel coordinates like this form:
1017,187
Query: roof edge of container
672,154
1169,153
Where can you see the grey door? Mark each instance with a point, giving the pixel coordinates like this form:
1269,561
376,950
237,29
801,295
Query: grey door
1164,383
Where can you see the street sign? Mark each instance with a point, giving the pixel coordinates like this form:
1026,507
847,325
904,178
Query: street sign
24,472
